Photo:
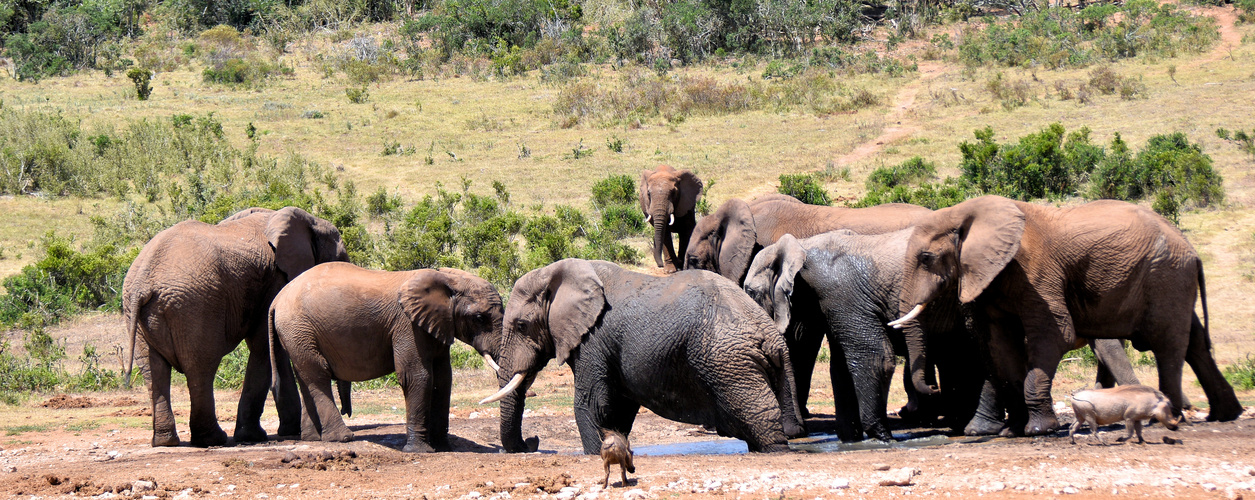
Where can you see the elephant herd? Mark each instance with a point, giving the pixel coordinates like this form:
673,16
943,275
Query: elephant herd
982,299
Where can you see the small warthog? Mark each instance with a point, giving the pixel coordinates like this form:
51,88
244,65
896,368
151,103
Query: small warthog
615,449
1128,403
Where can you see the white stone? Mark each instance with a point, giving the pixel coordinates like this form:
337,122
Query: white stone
1070,490
635,494
994,486
840,483
143,486
184,495
713,484
474,494
898,477
1208,487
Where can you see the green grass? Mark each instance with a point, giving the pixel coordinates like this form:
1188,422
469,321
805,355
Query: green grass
17,430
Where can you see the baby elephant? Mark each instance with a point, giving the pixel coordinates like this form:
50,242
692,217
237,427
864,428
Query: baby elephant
615,449
1128,403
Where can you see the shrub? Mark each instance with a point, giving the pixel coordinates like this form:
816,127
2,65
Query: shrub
614,190
804,187
142,78
63,282
1041,165
1244,141
357,95
1241,374
912,171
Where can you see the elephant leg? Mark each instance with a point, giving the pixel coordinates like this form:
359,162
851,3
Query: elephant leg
870,361
1224,405
1043,361
325,422
417,378
164,433
599,406
287,398
1113,363
748,407
311,426
684,230
848,426
803,352
438,414
989,415
204,418
253,396
670,261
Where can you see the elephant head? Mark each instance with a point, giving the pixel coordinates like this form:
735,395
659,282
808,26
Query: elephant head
301,241
724,241
452,303
968,244
550,311
665,195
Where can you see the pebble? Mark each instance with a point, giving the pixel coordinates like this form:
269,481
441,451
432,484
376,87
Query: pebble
635,494
143,486
839,484
184,495
288,457
10,468
898,477
1208,487
880,466
994,486
1070,490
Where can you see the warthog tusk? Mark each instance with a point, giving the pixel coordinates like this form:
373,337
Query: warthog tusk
897,323
505,391
491,364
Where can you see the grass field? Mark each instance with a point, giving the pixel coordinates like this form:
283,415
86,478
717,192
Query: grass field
455,127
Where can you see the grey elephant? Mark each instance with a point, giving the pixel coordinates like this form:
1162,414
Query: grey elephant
196,290
845,286
339,321
690,346
1041,280
668,199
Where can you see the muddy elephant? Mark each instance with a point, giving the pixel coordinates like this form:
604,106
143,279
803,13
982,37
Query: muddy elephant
691,347
846,286
196,290
726,241
339,321
1041,280
668,199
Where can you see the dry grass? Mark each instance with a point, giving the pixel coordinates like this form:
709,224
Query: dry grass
477,128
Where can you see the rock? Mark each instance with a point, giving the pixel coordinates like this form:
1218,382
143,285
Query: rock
566,493
10,468
880,466
325,456
713,484
473,494
1070,490
289,457
992,487
898,477
139,486
184,495
635,494
348,454
839,484
1208,487
1169,440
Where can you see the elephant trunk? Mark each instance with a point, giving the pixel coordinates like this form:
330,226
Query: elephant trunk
917,360
512,406
661,234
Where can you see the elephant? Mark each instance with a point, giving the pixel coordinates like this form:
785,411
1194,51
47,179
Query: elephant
846,286
726,241
340,321
690,346
1041,280
668,199
196,290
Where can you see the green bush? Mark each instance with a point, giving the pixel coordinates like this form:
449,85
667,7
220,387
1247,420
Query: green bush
1244,141
62,282
357,95
804,187
1241,374
142,78
912,171
614,190
1041,165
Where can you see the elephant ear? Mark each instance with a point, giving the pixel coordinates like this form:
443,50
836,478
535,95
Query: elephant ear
690,188
245,213
737,239
427,299
290,232
989,229
643,195
774,271
577,298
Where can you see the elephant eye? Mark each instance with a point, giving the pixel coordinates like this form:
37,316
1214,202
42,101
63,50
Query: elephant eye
927,258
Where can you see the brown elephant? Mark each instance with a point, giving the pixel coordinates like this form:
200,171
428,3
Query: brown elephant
339,321
669,199
726,241
1042,280
196,290
690,346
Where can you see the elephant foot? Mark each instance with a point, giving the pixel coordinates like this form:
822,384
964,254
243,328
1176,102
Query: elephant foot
1224,413
250,434
418,447
288,430
205,439
773,448
310,436
338,436
165,440
918,414
794,429
881,435
979,426
1041,424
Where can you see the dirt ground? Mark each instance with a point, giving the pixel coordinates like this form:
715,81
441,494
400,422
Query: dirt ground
98,445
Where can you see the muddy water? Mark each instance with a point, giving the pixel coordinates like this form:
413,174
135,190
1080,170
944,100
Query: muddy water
818,443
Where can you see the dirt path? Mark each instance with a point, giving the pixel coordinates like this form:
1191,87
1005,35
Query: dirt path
903,125
1226,18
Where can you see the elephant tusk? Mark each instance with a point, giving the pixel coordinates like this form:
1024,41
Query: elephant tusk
491,364
647,217
897,323
672,223
510,387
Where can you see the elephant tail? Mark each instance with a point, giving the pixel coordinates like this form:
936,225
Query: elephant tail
786,389
272,337
1202,293
130,309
